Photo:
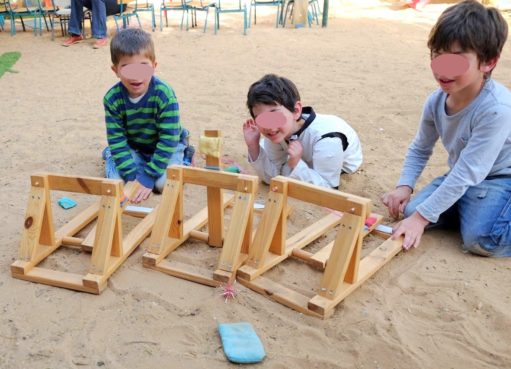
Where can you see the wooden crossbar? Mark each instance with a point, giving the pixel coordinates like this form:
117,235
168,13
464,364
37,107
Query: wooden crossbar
108,246
340,261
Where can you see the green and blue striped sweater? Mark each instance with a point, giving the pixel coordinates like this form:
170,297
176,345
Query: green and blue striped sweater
150,126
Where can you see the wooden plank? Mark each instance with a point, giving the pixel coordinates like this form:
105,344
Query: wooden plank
32,224
280,294
188,272
198,235
210,178
368,266
79,184
166,210
215,196
107,219
268,224
56,278
325,197
215,217
321,256
307,258
243,203
91,237
47,236
338,262
312,232
79,222
352,272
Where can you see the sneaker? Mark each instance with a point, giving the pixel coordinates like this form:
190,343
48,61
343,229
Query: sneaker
100,42
71,40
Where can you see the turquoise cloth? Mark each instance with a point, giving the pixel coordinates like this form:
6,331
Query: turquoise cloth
66,203
241,343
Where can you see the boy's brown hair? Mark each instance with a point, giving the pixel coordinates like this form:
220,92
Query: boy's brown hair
473,26
129,42
273,90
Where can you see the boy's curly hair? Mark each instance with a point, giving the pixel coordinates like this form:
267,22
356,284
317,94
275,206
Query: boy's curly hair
272,90
129,42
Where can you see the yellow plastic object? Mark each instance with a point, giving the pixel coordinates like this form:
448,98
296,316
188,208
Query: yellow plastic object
210,146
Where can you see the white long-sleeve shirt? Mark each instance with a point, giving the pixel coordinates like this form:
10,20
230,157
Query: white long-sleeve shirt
477,140
322,160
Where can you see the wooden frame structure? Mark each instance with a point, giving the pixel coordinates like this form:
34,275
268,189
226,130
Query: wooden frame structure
170,230
344,270
109,248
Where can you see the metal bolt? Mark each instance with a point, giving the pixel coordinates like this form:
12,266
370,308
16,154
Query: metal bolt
108,191
352,210
37,183
275,189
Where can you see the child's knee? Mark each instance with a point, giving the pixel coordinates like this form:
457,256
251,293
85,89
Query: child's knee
496,242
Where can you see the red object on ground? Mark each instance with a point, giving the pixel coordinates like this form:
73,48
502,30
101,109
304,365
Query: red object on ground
370,221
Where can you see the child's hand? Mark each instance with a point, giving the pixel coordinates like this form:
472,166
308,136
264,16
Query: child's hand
396,200
251,133
294,150
412,229
141,194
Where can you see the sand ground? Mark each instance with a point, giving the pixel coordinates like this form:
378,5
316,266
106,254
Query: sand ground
431,307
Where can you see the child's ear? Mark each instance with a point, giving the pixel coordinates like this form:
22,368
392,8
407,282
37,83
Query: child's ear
114,69
297,113
488,66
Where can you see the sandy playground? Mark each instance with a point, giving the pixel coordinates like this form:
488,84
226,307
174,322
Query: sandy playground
431,307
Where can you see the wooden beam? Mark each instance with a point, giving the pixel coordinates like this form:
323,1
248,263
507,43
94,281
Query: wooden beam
86,185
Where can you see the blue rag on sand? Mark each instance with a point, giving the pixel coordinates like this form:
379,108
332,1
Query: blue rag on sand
241,343
66,203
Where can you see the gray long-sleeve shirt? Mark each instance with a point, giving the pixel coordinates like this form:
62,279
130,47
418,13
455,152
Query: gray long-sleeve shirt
477,140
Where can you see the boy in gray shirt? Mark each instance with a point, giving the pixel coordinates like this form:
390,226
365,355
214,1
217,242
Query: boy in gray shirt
471,114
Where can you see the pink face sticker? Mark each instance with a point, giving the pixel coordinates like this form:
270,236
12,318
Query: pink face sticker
271,120
449,65
137,71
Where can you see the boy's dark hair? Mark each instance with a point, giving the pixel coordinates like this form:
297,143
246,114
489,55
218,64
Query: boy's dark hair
272,90
129,42
475,28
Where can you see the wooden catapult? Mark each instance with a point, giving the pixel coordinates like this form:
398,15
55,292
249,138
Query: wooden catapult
109,248
344,270
171,230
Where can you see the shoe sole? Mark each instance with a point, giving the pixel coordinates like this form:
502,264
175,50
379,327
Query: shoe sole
95,47
76,42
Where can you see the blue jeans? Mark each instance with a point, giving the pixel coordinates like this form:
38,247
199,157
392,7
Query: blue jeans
100,9
141,161
483,214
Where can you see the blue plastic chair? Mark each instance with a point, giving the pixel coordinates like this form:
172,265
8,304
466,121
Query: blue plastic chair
125,13
170,5
199,5
144,6
240,8
256,3
26,9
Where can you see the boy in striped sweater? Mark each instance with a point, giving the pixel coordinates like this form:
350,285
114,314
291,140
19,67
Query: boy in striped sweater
143,129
